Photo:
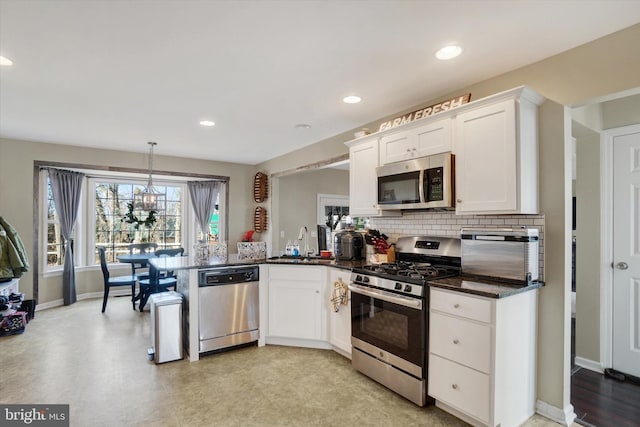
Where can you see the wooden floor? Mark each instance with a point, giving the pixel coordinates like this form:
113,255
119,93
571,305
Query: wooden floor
604,402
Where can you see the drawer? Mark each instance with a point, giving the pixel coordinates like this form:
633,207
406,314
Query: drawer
460,387
462,341
459,304
293,272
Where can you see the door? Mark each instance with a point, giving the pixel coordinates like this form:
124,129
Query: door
626,252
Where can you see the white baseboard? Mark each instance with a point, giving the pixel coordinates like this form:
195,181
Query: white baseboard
80,297
565,416
591,365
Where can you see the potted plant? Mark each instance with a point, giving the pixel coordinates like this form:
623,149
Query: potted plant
137,222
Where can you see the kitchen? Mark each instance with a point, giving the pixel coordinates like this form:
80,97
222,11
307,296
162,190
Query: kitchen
16,166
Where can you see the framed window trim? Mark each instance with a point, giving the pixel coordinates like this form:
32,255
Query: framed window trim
81,244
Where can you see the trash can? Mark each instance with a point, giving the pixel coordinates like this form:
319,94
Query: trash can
166,327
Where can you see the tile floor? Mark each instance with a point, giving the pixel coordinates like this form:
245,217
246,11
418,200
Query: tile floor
97,364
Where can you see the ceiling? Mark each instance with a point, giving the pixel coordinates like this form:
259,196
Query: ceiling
116,74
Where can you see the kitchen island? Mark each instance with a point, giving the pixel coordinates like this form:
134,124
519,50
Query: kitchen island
187,269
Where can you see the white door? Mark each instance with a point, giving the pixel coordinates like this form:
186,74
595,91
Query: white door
626,252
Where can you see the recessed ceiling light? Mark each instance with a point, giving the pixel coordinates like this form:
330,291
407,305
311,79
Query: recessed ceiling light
5,61
351,99
302,126
449,52
207,123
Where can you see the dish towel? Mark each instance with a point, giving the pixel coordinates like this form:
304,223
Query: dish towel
339,296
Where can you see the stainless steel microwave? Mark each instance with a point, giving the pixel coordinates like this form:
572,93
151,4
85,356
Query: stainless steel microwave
423,183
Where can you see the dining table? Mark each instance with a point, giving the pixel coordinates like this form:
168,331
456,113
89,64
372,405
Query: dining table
141,259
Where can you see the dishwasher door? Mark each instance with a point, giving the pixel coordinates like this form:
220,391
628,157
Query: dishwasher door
228,315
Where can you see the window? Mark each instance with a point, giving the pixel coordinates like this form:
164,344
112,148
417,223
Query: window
103,206
112,200
55,242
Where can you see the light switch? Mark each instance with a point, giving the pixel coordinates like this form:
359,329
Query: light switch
282,234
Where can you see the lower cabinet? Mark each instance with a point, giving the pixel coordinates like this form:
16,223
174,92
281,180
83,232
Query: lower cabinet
482,356
297,308
339,323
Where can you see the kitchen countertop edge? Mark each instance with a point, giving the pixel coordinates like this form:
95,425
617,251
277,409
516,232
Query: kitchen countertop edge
187,262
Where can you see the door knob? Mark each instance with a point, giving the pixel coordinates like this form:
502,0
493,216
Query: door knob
622,266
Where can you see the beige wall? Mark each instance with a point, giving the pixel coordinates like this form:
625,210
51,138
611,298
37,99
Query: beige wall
621,112
587,191
608,65
17,205
298,202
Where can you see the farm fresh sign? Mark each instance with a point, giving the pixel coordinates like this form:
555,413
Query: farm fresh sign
426,112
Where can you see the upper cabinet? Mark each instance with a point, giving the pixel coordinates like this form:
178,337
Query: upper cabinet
424,140
496,147
363,180
495,143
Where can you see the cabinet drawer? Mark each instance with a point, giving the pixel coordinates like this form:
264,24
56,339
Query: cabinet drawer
460,387
458,304
298,273
462,341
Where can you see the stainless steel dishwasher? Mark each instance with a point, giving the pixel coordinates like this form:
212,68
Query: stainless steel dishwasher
228,312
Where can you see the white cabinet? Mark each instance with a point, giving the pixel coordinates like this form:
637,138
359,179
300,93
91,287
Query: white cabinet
297,308
497,156
363,180
482,356
339,321
425,140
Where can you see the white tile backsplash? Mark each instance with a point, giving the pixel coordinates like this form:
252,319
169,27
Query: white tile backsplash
449,224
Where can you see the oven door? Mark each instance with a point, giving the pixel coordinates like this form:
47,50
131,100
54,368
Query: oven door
393,323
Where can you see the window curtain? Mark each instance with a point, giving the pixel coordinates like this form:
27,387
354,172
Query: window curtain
66,187
203,198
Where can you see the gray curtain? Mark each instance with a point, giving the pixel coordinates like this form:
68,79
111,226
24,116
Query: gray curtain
66,187
203,198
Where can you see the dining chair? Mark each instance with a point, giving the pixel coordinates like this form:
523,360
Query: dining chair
110,282
141,248
169,252
155,283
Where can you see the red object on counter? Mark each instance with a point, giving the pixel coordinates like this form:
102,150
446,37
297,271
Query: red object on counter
248,236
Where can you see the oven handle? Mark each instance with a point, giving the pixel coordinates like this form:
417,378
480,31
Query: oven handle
387,296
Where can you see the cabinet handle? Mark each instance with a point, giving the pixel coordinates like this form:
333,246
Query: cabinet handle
454,386
456,341
456,305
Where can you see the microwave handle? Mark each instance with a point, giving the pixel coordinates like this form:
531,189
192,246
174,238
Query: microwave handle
423,196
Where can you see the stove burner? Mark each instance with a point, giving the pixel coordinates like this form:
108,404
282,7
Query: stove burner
411,270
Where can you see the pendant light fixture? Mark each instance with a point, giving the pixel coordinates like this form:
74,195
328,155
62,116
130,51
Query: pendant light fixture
150,198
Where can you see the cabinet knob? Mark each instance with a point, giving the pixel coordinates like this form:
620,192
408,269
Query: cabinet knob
456,305
456,341
408,150
454,386
459,200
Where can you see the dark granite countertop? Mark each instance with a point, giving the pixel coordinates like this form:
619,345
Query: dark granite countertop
482,287
475,286
330,262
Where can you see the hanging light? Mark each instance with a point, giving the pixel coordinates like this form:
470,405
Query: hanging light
150,198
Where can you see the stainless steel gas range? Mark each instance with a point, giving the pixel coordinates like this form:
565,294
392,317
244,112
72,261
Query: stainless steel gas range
389,313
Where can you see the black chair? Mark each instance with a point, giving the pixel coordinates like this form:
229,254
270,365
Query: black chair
110,282
141,248
154,284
